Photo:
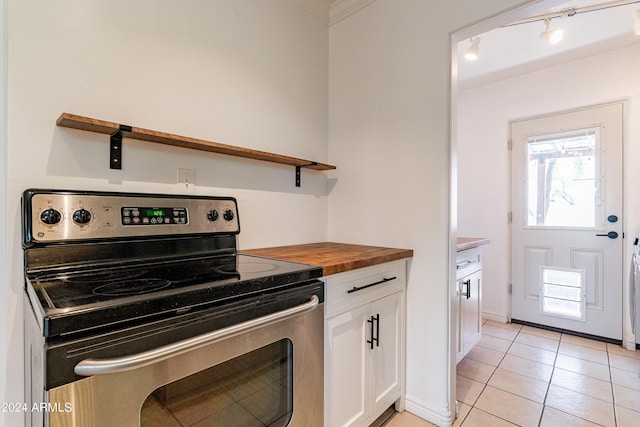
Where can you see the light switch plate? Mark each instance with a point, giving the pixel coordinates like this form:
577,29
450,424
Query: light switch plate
186,180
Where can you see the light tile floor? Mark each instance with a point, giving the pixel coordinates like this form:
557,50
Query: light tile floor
518,375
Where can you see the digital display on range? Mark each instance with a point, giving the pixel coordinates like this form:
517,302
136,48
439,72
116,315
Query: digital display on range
153,216
156,212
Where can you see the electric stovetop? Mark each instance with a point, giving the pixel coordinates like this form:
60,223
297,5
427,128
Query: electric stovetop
77,299
98,261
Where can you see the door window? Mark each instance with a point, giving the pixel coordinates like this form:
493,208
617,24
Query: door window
255,389
563,179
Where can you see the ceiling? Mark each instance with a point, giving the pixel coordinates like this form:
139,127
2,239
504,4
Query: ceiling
516,49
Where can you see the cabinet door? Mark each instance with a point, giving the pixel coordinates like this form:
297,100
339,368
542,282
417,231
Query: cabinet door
386,354
348,362
471,311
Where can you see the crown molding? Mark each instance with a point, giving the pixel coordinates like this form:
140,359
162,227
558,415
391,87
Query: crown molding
317,8
340,9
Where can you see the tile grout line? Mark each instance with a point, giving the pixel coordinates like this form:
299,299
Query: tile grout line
484,387
553,366
553,371
613,392
549,386
549,382
487,383
597,379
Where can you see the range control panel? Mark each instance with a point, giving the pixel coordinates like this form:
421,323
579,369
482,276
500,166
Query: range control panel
52,216
153,215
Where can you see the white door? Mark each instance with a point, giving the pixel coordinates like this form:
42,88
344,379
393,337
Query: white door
566,199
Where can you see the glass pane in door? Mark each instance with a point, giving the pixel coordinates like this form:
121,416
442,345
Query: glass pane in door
563,179
254,389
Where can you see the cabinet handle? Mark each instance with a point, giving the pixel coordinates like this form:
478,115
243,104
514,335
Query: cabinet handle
356,289
468,283
375,338
370,322
465,264
377,330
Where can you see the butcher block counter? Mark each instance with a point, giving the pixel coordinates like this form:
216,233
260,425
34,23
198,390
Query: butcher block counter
464,243
333,257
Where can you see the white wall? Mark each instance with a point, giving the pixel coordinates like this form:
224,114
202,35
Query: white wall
484,113
389,134
245,72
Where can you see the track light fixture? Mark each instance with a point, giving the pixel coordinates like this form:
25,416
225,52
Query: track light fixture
472,51
552,36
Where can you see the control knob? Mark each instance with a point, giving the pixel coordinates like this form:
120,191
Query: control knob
81,216
212,215
50,216
228,215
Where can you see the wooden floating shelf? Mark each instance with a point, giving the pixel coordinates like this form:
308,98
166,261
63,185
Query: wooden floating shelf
117,131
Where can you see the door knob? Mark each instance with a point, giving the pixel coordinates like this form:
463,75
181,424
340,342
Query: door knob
611,235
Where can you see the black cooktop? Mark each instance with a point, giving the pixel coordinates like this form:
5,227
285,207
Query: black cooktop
85,298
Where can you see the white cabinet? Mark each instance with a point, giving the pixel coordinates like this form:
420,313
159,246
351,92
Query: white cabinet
364,343
469,300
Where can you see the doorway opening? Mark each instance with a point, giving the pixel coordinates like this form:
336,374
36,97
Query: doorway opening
489,204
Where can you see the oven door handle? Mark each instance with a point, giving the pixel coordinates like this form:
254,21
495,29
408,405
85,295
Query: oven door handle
90,367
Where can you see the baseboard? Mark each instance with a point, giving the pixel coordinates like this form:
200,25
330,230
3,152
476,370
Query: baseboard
441,417
501,318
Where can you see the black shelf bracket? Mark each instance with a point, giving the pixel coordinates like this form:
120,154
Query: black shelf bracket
115,152
298,168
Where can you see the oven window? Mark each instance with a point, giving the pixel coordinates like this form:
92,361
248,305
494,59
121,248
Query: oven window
255,389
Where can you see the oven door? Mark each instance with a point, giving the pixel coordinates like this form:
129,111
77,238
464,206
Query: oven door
263,372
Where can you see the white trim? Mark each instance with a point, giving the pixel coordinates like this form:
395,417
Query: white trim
439,416
496,317
316,8
340,9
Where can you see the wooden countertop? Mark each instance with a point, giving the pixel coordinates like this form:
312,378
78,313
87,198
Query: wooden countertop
333,257
464,243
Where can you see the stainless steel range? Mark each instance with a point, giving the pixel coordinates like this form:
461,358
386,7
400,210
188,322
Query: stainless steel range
141,312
